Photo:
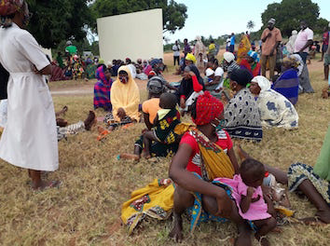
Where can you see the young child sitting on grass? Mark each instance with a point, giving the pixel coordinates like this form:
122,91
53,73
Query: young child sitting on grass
166,120
161,139
250,200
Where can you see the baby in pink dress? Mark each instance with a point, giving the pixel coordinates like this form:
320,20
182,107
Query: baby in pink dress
249,198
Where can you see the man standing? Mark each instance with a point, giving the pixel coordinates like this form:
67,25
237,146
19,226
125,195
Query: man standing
187,48
271,38
176,52
303,41
232,43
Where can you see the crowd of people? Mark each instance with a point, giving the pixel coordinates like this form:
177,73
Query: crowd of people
234,101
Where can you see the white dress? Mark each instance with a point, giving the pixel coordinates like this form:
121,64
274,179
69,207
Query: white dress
29,139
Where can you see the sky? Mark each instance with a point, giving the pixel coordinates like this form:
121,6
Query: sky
218,17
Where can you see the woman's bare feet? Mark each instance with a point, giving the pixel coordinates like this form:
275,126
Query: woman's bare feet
263,241
128,156
146,155
323,216
176,232
90,120
44,185
61,122
63,111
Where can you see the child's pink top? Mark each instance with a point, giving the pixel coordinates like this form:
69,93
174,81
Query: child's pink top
258,209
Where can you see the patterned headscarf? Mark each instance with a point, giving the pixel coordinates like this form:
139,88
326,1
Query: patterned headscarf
8,7
253,55
207,109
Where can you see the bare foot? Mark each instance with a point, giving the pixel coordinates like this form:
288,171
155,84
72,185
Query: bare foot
90,120
128,156
263,241
324,216
176,232
63,111
325,93
146,155
244,236
61,122
100,129
44,185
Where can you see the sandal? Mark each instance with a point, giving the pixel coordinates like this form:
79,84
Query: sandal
103,135
127,125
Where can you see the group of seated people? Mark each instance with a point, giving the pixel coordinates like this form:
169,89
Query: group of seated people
209,182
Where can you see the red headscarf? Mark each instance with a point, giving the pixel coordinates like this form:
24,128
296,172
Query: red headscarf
8,7
207,109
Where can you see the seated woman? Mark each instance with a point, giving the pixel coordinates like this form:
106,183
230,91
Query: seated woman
191,85
125,96
251,63
229,63
205,153
303,74
275,110
241,112
288,83
102,89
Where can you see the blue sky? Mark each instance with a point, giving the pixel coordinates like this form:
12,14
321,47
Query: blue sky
218,17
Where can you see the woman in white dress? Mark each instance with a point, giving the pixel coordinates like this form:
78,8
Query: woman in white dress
29,139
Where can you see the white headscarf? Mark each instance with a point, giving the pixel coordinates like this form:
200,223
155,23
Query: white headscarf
228,56
263,83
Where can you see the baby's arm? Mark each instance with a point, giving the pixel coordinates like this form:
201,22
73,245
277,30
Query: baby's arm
246,200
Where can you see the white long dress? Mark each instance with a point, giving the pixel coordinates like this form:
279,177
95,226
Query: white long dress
29,139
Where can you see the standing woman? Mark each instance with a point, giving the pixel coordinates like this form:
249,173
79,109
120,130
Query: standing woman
29,139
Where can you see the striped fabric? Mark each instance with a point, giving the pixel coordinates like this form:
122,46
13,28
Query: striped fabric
288,85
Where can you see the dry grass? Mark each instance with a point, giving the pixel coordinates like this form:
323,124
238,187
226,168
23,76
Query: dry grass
86,208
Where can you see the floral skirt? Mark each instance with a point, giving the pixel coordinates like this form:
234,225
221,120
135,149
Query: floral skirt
298,172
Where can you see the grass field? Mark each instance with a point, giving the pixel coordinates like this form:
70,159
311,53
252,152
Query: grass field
85,210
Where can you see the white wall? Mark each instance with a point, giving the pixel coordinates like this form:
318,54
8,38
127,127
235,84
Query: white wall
135,35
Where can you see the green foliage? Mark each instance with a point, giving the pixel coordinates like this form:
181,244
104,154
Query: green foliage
289,13
174,14
58,20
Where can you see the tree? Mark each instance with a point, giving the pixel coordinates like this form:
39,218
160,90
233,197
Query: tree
250,25
57,20
174,14
289,13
